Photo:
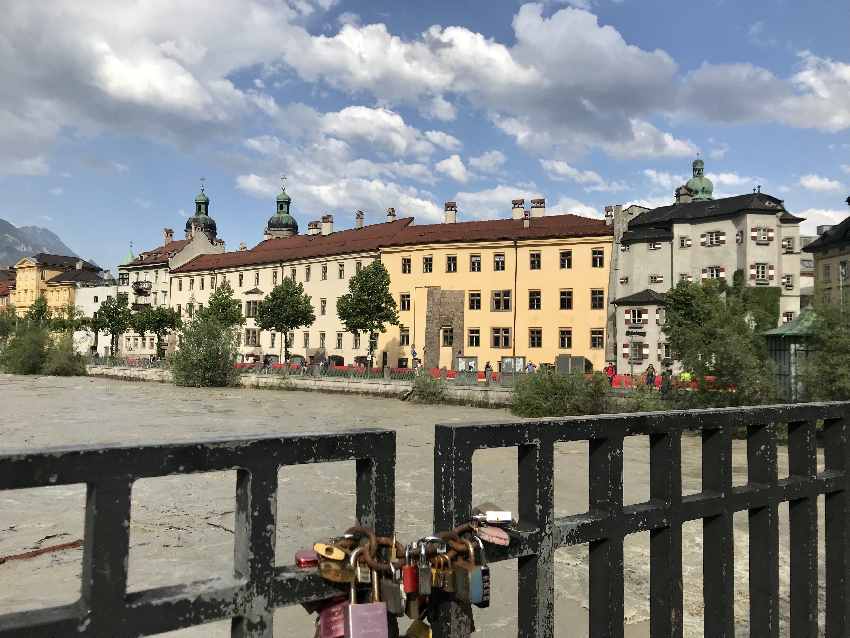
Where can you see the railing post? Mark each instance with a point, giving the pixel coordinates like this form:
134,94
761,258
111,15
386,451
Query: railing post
837,515
803,517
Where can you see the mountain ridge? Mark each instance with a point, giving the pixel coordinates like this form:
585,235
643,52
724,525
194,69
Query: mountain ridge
17,242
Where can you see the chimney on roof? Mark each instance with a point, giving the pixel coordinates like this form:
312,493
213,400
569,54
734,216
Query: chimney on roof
327,224
391,214
538,207
313,228
79,264
358,219
517,208
242,246
167,236
526,219
450,213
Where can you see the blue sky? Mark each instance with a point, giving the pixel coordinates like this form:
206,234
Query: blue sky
111,112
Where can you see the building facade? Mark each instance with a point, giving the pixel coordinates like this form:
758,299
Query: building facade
695,239
88,299
508,292
54,277
831,254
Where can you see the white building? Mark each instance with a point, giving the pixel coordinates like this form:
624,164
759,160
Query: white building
88,300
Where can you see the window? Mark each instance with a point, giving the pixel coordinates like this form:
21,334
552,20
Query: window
405,265
358,266
534,260
322,340
788,244
683,276
293,273
404,301
685,242
323,307
339,341
761,272
597,338
473,339
95,298
474,300
124,280
324,272
404,336
715,272
212,281
761,234
566,259
827,273
842,271
373,341
273,338
191,283
714,238
655,245
565,338
787,317
341,270
274,278
307,270
402,363
624,280
428,264
190,309
251,308
448,336
534,301
256,278
501,300
306,339
252,337
499,262
597,258
656,279
597,299
637,349
201,282
357,341
240,279
788,282
501,337
179,312
566,299
535,337
451,263
739,237
475,263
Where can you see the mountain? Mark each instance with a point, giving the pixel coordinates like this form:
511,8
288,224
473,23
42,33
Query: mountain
28,240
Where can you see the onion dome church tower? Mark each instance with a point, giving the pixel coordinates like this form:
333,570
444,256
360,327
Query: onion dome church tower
281,224
201,222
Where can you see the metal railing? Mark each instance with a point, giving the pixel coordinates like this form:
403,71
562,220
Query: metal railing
604,527
257,586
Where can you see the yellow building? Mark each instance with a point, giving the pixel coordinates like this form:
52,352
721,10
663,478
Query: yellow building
508,292
54,277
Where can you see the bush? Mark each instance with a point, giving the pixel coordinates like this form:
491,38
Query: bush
427,389
26,351
207,354
547,393
62,360
641,399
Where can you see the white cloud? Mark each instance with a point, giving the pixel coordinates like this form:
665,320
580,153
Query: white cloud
378,126
439,108
574,206
820,184
719,151
732,179
489,162
56,191
453,167
648,141
818,216
142,202
590,180
444,140
846,168
662,179
492,202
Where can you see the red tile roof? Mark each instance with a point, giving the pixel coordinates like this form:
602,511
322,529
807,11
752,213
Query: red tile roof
158,255
368,238
4,289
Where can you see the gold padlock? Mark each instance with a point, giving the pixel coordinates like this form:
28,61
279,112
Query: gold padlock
330,552
418,629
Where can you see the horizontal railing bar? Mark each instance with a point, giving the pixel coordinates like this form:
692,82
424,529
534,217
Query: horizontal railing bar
62,466
48,622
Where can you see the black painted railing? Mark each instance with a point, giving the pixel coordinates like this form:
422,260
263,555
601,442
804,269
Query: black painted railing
608,521
257,587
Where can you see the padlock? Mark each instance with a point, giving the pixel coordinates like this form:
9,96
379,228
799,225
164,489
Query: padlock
392,593
424,570
335,571
479,589
448,576
418,629
493,535
330,552
413,606
367,620
409,573
331,621
463,575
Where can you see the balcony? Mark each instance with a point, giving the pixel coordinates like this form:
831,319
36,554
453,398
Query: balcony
142,287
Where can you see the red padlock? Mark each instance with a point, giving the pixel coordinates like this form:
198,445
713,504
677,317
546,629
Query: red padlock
409,575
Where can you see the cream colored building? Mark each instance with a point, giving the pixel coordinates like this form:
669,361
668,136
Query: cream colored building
54,277
831,252
508,292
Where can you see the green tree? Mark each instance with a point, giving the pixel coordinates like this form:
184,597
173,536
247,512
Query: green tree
368,306
27,349
8,322
714,336
223,308
826,373
547,393
69,319
158,321
113,317
39,312
285,308
207,353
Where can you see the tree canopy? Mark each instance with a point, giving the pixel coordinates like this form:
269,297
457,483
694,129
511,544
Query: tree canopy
113,317
826,375
158,321
39,312
368,306
223,308
285,308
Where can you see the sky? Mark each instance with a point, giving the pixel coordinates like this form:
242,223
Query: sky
111,112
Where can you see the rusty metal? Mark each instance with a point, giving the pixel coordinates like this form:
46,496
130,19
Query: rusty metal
539,532
257,586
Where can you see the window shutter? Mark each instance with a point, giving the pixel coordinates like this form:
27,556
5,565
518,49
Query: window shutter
688,242
702,240
628,314
754,233
770,272
722,270
645,347
626,350
644,316
752,271
658,316
770,234
722,239
704,273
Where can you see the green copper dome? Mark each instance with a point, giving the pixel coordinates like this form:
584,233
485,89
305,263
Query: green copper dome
202,198
701,187
282,223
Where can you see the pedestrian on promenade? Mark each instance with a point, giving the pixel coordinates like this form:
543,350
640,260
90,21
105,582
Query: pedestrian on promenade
650,376
488,372
666,383
610,372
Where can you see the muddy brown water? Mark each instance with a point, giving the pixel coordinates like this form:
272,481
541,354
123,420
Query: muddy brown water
181,526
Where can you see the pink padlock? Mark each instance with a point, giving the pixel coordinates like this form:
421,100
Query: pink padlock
332,619
366,620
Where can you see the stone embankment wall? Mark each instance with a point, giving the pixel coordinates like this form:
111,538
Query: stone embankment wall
494,396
